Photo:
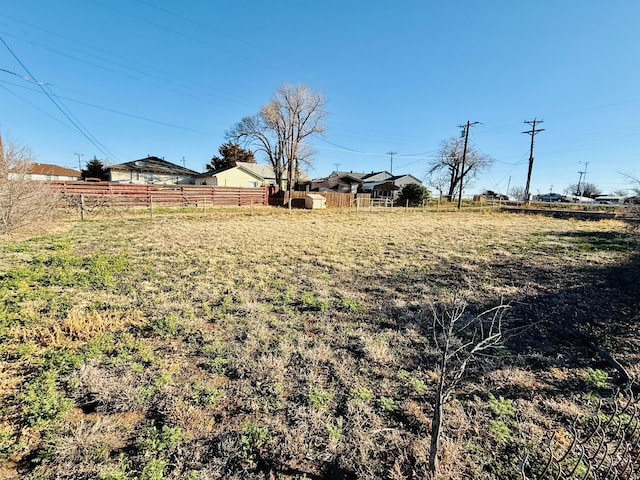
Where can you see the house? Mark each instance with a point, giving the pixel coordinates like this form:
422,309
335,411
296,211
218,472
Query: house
151,170
337,182
243,174
385,185
47,172
379,184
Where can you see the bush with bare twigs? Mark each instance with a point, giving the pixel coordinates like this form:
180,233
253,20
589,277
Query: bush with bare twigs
22,201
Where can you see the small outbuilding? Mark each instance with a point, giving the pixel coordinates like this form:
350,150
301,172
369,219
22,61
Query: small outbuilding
314,201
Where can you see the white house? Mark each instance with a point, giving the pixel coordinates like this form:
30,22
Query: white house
48,172
243,174
151,170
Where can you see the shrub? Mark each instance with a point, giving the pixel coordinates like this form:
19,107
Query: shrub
24,201
414,194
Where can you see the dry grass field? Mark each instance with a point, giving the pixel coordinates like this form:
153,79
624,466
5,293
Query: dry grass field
267,344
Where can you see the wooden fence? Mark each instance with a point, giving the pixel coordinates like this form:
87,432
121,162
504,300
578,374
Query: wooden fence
121,194
337,200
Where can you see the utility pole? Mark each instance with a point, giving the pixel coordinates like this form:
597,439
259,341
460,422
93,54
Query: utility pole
80,155
392,154
337,167
586,164
531,132
579,182
464,156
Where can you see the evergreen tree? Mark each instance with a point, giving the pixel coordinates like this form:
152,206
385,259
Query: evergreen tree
230,153
95,169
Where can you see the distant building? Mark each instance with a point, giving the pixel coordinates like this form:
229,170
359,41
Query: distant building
342,182
151,170
379,184
47,172
387,186
243,174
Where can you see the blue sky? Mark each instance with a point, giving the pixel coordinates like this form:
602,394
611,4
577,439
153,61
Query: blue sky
164,78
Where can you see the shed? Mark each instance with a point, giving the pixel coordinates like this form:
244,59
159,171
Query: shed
314,201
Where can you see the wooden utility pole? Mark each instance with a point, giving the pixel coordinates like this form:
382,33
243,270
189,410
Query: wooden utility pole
578,192
531,132
464,156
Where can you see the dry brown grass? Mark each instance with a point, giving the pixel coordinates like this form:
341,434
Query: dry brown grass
78,327
310,325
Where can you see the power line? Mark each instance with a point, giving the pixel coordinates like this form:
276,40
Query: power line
107,109
41,110
58,104
127,70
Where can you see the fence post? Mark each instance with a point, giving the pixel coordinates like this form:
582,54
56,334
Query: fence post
204,204
82,207
151,205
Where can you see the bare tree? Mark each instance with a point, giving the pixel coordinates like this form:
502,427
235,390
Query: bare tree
517,193
22,200
633,212
583,190
282,127
635,181
458,338
448,161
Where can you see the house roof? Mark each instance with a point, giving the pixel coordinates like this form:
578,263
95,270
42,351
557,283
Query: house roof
259,170
345,177
383,175
53,170
397,177
358,175
155,165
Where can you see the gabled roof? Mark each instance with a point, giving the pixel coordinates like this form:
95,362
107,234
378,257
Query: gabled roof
357,175
258,170
397,177
155,165
383,175
346,177
53,170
